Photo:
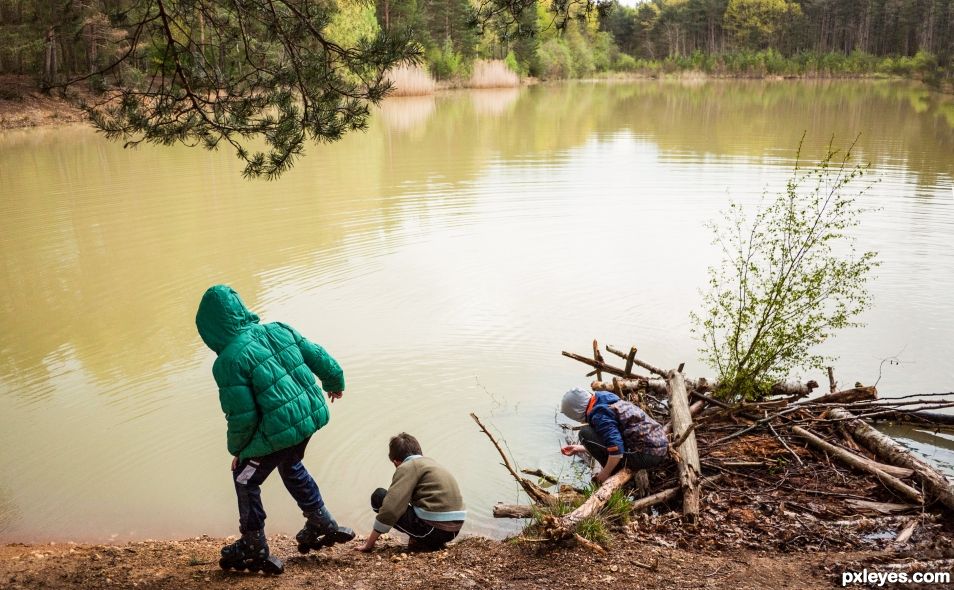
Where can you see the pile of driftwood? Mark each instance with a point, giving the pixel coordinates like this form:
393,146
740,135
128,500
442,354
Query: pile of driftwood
784,472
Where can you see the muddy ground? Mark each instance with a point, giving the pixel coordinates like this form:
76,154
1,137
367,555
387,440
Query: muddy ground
471,563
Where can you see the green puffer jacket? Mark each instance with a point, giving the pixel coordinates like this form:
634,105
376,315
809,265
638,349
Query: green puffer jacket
264,374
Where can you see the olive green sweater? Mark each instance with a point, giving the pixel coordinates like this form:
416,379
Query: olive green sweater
430,490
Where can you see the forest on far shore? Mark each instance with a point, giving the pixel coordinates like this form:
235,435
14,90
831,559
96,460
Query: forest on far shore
550,39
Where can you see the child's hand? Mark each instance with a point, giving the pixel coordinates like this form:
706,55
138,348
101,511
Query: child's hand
571,450
333,395
364,548
234,463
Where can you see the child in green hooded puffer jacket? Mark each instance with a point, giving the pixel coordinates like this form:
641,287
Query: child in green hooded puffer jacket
273,405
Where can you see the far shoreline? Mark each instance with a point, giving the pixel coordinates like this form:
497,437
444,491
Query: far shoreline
24,106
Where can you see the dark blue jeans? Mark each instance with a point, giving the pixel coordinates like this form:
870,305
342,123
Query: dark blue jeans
251,473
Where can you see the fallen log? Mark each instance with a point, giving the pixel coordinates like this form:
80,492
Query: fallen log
936,486
596,500
899,472
513,511
689,468
855,394
880,507
793,389
526,511
892,483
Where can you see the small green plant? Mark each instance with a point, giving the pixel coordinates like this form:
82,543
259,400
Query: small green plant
790,278
619,507
593,529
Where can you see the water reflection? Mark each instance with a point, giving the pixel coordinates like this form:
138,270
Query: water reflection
936,447
445,257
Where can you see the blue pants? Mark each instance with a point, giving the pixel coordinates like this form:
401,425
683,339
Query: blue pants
251,473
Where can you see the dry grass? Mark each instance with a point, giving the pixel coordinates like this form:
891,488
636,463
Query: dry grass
404,113
492,74
411,80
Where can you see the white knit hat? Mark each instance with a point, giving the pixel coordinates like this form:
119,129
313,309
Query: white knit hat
575,402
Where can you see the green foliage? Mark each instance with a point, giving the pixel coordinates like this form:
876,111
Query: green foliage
759,23
619,507
445,63
593,529
555,60
625,63
217,73
789,279
514,64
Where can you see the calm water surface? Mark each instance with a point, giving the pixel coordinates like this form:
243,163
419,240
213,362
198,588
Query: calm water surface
445,257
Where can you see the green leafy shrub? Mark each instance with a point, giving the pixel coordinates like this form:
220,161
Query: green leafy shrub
555,60
445,63
788,280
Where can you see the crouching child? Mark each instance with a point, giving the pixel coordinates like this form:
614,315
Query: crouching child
423,502
617,433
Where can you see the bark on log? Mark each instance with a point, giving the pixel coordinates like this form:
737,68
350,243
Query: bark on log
794,389
689,468
597,499
513,511
855,394
936,486
889,481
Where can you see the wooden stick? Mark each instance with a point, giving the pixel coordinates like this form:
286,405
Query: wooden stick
668,494
694,410
628,369
889,481
904,534
589,544
601,366
536,494
785,444
689,468
636,362
832,384
685,435
598,358
934,483
541,474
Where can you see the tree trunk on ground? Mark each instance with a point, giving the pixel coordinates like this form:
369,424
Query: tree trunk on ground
689,468
936,486
889,481
513,511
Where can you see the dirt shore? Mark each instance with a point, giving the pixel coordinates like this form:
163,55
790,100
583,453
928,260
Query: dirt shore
470,563
23,105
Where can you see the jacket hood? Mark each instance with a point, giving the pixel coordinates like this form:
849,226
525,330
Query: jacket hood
605,398
222,316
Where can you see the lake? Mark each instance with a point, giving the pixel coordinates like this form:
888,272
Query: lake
445,257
